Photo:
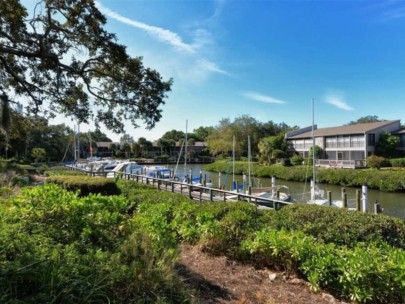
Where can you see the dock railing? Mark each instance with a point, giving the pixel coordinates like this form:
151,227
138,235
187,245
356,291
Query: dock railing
193,191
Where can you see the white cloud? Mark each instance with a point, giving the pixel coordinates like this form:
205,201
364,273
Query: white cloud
262,98
190,63
338,102
210,66
157,32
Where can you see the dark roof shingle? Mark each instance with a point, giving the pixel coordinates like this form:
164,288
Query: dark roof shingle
346,130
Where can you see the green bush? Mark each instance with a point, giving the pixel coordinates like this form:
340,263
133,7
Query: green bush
385,180
86,184
340,226
297,160
58,248
397,162
377,162
367,273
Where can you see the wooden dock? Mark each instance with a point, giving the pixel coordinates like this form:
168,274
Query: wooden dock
195,192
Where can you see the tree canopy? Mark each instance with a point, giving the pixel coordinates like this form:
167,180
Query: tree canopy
61,60
365,119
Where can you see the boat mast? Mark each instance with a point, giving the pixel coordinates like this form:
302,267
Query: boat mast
185,150
313,141
233,161
249,161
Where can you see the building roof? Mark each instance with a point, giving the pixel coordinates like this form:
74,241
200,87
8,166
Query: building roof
106,144
344,130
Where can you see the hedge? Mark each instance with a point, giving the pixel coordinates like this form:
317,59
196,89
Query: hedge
86,184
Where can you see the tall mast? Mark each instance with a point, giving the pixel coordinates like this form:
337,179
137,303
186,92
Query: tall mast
249,161
313,141
185,150
233,159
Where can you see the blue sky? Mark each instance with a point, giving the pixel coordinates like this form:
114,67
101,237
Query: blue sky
267,59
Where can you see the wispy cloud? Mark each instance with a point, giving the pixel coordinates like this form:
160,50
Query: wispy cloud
190,58
338,102
386,10
262,98
211,67
157,32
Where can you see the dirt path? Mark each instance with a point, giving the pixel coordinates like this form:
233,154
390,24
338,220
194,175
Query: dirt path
219,280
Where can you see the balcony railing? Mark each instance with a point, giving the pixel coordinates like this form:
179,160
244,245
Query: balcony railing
348,164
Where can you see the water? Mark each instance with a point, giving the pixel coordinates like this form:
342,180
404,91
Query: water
392,203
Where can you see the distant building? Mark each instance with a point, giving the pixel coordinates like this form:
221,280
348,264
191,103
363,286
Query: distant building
345,146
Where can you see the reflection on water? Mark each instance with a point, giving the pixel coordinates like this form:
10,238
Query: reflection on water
393,203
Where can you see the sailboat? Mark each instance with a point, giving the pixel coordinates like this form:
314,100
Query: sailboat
318,195
273,192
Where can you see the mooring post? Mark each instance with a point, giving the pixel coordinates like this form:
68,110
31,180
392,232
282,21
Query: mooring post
189,191
211,196
345,205
358,200
219,180
377,208
364,197
172,186
250,193
329,193
201,177
344,201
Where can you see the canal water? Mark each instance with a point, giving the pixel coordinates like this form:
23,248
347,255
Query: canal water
392,203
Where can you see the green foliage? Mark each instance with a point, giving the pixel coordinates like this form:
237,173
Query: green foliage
377,162
367,273
38,153
297,160
80,55
384,180
85,184
387,144
397,162
58,248
340,226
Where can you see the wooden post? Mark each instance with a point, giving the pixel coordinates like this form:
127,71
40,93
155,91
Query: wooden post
200,177
278,194
358,200
172,184
377,208
250,193
189,191
345,200
158,184
329,193
344,203
211,196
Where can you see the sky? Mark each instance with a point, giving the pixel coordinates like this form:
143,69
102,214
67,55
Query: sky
267,59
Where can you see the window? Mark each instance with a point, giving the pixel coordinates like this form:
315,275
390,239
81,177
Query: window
331,142
371,139
357,141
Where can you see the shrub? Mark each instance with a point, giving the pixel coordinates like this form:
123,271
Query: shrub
86,184
340,226
297,160
58,248
397,162
377,162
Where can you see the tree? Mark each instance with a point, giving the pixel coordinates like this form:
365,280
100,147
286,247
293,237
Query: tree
387,144
5,120
201,133
268,145
61,60
126,139
366,119
38,153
